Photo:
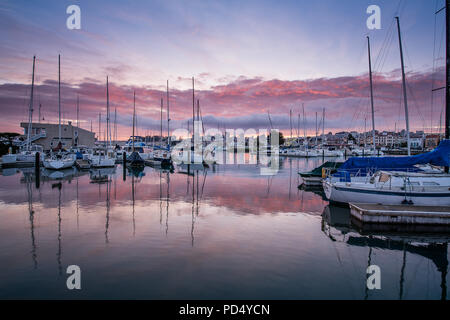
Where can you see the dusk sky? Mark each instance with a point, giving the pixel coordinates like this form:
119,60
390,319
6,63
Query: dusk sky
247,57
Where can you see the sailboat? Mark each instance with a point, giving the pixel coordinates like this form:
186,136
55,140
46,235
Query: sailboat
324,151
59,160
396,181
134,159
104,157
27,154
162,155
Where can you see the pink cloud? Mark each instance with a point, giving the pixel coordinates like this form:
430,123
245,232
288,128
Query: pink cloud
244,101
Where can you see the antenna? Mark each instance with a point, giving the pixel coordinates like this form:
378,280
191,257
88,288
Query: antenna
405,98
371,94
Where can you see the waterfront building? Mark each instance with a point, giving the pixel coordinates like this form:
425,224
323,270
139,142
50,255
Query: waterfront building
47,135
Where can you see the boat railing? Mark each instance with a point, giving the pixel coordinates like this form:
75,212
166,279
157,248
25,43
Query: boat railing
345,175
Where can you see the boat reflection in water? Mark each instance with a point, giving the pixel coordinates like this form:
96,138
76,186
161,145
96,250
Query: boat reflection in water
221,232
101,175
430,242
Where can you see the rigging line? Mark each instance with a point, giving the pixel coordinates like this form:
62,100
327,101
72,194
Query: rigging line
415,101
390,34
383,44
385,54
409,284
384,49
362,112
398,12
360,99
405,47
441,42
399,116
433,68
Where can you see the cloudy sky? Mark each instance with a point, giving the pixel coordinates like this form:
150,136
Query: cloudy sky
248,58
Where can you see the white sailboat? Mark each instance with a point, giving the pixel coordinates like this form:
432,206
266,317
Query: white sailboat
392,188
104,157
27,153
398,187
59,160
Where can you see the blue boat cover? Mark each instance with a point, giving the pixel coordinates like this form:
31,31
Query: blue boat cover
438,157
166,148
135,159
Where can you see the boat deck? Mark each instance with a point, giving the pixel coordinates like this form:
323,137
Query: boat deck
400,214
82,164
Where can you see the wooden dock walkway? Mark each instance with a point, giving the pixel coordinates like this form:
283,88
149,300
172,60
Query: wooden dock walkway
400,214
82,164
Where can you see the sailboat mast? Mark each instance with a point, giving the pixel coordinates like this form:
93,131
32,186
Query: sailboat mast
78,111
115,125
316,128
290,121
198,110
134,115
371,94
39,120
30,110
59,97
365,132
99,126
161,129
304,124
323,127
404,86
447,70
168,116
108,136
193,106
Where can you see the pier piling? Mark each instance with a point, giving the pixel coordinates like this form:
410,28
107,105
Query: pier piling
37,171
124,165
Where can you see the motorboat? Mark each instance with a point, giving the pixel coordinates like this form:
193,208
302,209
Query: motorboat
59,161
102,158
315,176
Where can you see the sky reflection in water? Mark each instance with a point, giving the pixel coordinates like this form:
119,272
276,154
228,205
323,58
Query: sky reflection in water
223,233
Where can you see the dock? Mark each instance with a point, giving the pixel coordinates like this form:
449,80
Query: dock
400,214
152,163
82,164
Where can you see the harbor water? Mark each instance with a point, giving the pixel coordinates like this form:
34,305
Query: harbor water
225,232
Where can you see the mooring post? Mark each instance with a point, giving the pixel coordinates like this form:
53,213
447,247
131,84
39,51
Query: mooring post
37,171
124,165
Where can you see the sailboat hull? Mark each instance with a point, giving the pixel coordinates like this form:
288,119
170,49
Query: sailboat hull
339,193
103,163
58,164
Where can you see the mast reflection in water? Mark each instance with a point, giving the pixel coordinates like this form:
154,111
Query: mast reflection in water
223,232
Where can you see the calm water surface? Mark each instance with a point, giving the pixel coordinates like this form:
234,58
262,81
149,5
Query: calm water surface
223,233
